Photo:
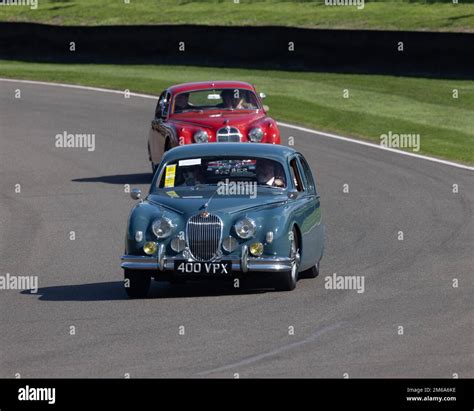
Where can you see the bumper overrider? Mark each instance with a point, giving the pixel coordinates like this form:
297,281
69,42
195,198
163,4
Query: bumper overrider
242,263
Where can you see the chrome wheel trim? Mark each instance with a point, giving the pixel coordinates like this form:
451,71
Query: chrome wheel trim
295,256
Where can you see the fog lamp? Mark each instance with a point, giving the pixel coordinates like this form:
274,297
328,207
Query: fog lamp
256,249
150,247
229,244
178,244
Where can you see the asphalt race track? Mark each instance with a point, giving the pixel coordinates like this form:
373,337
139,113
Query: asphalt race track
408,283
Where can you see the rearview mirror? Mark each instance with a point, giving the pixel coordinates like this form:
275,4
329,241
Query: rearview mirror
136,193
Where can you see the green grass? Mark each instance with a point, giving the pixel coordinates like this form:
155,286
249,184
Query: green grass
376,104
440,15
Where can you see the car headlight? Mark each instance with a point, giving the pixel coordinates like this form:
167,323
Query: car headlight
256,135
162,227
201,136
245,228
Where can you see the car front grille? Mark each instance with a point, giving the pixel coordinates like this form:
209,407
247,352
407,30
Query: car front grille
204,236
228,135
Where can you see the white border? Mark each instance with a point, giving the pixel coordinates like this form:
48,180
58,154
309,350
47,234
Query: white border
306,130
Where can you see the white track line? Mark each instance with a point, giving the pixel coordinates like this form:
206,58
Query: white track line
102,90
306,130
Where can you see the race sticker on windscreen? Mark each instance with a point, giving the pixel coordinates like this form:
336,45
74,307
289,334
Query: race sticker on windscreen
170,175
172,194
190,162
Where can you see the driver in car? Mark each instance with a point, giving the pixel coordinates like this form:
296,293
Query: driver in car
193,176
266,174
227,97
182,102
230,101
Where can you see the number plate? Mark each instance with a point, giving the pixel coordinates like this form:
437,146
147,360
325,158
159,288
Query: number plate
213,268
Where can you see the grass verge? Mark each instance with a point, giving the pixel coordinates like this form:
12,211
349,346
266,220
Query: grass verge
375,104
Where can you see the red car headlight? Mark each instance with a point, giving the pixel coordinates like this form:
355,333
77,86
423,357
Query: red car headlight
201,136
256,135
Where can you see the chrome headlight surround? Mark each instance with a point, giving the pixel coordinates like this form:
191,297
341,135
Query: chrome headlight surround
162,227
245,228
256,135
201,136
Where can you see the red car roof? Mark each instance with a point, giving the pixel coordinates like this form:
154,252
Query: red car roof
204,85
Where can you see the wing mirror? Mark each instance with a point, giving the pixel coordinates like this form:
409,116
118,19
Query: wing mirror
136,194
266,108
293,194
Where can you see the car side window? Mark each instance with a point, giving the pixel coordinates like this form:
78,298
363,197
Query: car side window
159,105
166,105
162,105
306,170
296,176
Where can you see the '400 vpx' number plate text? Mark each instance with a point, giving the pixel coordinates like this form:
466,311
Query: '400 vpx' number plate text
186,267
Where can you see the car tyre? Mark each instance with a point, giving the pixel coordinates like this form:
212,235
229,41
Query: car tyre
287,280
167,145
138,283
312,272
153,165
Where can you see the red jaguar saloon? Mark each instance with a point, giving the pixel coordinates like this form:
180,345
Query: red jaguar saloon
208,112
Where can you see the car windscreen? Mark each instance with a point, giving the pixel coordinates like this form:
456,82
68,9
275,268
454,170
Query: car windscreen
217,171
215,99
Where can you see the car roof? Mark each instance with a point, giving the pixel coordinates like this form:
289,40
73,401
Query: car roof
205,85
270,151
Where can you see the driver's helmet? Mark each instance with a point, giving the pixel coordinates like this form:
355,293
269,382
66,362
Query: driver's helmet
227,93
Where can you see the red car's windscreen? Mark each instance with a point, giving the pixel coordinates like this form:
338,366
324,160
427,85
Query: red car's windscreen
216,99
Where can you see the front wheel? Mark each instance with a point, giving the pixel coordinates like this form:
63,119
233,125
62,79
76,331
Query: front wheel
287,280
312,272
153,165
137,283
168,145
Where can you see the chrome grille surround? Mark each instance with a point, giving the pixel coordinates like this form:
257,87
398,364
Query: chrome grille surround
228,134
204,235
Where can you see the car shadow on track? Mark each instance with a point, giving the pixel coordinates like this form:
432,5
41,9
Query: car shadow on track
114,290
140,178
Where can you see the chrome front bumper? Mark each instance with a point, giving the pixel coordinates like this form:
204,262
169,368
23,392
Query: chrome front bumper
245,263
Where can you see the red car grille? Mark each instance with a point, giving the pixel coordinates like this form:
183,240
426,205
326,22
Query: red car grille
228,135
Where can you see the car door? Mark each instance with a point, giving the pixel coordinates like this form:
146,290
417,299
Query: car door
301,208
313,223
159,129
309,214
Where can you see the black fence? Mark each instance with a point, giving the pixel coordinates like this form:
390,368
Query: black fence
431,54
